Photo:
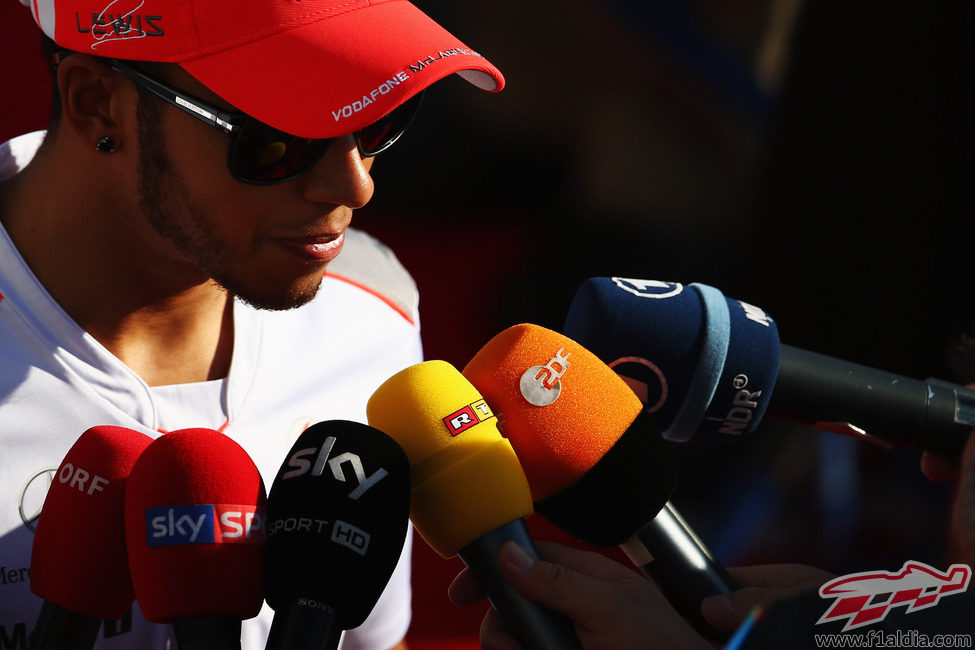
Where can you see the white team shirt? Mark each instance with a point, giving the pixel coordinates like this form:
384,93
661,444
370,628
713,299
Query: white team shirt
290,369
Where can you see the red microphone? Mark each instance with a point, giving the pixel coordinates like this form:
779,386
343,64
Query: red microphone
78,561
194,526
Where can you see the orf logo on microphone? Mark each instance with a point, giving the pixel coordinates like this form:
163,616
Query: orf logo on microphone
540,385
204,524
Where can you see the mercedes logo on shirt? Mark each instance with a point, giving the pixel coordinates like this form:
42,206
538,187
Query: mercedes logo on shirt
33,495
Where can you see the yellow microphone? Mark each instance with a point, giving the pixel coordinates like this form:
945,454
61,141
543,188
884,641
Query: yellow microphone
469,494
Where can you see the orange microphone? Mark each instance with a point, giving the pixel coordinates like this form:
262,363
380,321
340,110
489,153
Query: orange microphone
469,494
597,464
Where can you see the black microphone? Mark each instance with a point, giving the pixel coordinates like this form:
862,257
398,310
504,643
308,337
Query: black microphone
711,367
337,518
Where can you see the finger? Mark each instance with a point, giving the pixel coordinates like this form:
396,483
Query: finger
562,588
796,576
589,563
465,590
493,634
968,455
963,516
727,611
937,468
762,585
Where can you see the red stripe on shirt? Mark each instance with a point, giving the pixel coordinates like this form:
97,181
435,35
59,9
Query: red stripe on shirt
399,310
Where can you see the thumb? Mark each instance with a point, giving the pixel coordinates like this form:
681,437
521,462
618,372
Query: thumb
554,585
727,611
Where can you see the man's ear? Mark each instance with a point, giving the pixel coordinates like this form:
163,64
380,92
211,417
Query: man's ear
95,100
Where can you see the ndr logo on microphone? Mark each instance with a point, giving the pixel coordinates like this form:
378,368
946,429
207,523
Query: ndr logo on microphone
204,524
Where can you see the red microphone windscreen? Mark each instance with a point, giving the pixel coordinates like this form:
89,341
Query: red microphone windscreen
78,560
194,524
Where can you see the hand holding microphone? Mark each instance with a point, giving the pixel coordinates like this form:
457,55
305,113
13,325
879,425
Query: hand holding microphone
337,517
78,562
469,493
612,606
597,466
194,528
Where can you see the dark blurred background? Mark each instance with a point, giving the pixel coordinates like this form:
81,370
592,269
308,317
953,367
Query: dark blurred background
811,158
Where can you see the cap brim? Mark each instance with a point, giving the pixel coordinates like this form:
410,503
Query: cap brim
336,75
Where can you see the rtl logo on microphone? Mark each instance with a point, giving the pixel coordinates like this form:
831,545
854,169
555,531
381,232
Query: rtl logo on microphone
463,419
204,524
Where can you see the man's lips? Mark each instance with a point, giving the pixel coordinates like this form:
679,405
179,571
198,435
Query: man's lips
321,249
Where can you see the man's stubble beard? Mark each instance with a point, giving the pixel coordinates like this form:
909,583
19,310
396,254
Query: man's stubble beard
165,202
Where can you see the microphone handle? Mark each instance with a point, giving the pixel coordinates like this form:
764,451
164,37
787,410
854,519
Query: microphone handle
815,389
670,553
61,629
304,624
207,633
534,626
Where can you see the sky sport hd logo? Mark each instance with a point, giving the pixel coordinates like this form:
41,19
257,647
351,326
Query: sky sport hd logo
866,598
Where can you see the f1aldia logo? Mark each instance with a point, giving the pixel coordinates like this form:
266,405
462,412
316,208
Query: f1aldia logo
866,598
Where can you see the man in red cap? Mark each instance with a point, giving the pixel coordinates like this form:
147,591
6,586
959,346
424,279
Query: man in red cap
167,245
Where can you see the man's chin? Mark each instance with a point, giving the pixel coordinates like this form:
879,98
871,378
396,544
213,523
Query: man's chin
281,300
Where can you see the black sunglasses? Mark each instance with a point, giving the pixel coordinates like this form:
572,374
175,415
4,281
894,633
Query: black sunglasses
260,154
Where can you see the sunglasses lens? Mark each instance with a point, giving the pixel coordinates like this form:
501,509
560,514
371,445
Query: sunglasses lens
381,134
262,154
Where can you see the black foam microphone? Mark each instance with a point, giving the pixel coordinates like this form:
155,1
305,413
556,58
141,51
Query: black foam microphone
337,518
710,367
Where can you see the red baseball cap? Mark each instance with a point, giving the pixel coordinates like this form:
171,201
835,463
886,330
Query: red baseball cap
312,68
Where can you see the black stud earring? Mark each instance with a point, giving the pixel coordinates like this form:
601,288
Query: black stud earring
105,144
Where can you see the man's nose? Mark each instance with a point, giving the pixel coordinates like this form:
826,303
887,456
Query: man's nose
341,177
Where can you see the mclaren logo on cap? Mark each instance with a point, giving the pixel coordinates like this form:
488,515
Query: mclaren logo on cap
540,385
648,288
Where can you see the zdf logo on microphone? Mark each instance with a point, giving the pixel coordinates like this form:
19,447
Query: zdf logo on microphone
540,385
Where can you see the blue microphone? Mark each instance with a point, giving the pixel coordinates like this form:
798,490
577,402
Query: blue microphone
711,367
